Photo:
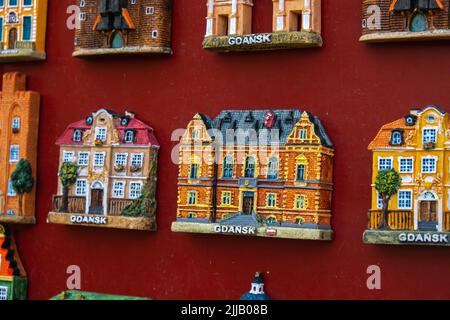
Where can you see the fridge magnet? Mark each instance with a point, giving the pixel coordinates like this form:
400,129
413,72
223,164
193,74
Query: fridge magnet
76,295
113,27
265,173
403,20
410,191
295,24
107,173
257,289
19,116
23,25
13,279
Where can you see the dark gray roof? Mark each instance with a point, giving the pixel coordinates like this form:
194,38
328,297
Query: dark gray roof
410,5
253,120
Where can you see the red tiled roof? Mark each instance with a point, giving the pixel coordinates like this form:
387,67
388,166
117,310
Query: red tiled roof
384,135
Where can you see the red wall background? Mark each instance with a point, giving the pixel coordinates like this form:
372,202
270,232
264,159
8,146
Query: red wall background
353,87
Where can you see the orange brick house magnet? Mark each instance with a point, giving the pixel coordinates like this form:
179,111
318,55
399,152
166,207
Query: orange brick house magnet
264,173
19,117
111,27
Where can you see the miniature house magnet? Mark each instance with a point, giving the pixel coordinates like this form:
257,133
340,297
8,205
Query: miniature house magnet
402,20
264,173
410,193
19,117
296,24
13,279
23,26
257,289
110,27
107,173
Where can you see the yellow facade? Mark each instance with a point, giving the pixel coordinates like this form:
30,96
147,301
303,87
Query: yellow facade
418,148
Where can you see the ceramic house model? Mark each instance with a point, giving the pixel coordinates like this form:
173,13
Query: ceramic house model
296,24
257,289
400,20
23,26
417,149
13,279
264,173
107,175
19,118
124,27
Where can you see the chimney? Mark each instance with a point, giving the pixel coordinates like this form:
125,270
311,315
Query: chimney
130,114
14,81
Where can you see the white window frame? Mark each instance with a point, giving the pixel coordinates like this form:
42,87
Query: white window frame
79,158
429,158
82,3
385,158
99,133
78,188
3,293
400,164
149,10
16,120
11,192
122,189
132,159
303,134
127,135
155,34
94,160
13,146
224,197
31,28
396,139
130,191
268,198
124,161
431,129
399,199
189,197
67,154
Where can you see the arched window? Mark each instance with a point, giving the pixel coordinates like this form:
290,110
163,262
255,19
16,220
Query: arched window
250,167
77,135
116,40
272,169
228,167
194,168
271,220
396,138
419,23
129,136
301,170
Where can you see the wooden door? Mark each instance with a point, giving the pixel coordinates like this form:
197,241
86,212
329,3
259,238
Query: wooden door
247,206
12,38
96,201
428,211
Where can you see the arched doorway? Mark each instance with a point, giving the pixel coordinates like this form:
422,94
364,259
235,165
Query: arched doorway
428,211
12,38
419,22
116,40
97,194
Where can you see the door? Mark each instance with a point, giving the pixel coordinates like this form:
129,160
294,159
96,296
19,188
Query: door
428,215
247,206
96,201
12,38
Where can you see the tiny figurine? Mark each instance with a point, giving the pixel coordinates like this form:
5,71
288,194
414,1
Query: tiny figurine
296,24
410,190
76,295
23,25
19,115
257,289
111,27
265,173
403,20
13,278
107,175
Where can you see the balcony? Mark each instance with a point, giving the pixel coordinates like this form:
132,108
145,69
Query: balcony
78,205
397,219
20,45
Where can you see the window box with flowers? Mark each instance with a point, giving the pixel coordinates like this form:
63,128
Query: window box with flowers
119,168
135,169
99,142
429,145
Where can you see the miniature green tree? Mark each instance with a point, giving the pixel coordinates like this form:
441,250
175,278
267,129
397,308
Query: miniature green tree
387,183
22,181
68,174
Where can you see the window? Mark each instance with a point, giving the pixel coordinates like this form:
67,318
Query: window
249,167
192,215
83,158
300,176
137,159
396,138
100,133
135,190
26,29
119,189
271,200
379,201
272,172
429,135
300,202
16,123
11,191
1,24
228,167
13,3
155,34
192,197
82,3
99,159
384,164
129,136
80,188
83,16
195,134
3,293
404,199
68,156
226,198
149,10
77,135
27,2
14,153
193,174
406,165
120,159
271,220
302,134
428,165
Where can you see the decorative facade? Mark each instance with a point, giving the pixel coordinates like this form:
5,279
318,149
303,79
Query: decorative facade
23,25
296,24
400,20
13,279
256,172
417,148
114,160
124,27
19,130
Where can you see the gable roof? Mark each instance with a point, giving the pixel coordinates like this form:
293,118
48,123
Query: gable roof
247,120
7,243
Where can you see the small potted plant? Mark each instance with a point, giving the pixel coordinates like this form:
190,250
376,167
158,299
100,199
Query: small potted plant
135,169
99,142
119,168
